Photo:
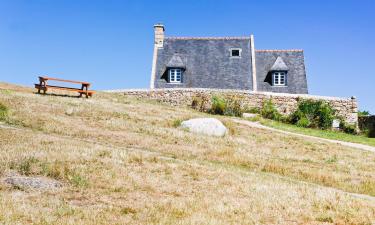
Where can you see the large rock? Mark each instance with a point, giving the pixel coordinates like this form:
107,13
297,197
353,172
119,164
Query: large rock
207,126
32,182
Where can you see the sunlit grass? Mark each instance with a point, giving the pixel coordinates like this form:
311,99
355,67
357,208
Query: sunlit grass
329,134
126,161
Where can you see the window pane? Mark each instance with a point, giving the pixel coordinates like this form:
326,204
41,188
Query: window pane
175,75
235,52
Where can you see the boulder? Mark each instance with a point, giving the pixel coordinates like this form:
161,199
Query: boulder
206,126
23,182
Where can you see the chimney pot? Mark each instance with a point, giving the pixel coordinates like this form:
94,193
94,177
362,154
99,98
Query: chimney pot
159,34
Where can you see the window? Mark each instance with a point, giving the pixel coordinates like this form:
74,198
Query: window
235,52
175,75
279,78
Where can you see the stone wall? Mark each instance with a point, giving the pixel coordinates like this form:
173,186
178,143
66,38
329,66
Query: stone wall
286,103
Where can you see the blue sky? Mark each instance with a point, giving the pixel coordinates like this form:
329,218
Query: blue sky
110,43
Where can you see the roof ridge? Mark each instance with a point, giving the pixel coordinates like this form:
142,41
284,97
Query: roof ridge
209,38
279,50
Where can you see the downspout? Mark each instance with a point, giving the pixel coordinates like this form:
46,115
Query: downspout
253,65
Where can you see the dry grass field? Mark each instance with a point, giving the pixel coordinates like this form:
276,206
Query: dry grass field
123,161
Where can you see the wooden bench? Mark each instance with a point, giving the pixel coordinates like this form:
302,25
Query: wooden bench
43,86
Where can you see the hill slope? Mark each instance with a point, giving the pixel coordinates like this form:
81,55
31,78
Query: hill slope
122,160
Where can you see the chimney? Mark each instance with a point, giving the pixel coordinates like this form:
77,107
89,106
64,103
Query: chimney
159,35
253,64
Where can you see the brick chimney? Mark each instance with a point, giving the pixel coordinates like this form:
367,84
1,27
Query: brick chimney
158,43
159,35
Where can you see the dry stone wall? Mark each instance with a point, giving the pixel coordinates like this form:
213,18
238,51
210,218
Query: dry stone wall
286,103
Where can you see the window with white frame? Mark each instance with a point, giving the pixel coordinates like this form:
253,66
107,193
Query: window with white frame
279,78
175,75
235,52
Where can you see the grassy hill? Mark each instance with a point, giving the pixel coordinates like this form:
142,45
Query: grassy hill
123,161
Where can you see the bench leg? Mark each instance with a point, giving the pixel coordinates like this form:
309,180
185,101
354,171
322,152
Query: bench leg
44,83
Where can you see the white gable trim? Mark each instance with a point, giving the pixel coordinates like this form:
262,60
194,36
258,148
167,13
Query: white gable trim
253,65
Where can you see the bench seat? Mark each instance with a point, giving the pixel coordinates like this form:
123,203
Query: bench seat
45,88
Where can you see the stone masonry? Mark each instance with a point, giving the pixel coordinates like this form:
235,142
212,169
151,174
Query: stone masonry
286,103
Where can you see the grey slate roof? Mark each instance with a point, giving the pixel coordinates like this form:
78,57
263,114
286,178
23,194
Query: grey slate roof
176,61
207,61
207,64
279,65
296,76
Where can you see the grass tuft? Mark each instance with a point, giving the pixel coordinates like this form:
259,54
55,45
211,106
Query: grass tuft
3,112
176,123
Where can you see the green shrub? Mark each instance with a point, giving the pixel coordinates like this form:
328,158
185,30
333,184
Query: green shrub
303,122
218,105
269,111
348,128
3,112
199,103
254,110
363,113
319,114
284,119
233,106
371,133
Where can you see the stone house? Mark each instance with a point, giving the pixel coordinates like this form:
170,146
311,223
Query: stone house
225,63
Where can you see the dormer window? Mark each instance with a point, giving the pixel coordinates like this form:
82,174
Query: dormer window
175,75
279,78
235,52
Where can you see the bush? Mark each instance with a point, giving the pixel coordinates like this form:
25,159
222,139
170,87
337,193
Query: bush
363,113
318,114
200,103
303,122
371,133
233,106
269,111
348,128
3,112
218,105
254,110
229,106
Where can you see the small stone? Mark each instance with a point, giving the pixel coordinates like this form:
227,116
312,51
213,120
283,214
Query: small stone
69,111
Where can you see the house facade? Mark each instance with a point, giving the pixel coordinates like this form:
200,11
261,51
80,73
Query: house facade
225,63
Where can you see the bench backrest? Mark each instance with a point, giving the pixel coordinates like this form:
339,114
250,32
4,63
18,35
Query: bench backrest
68,81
